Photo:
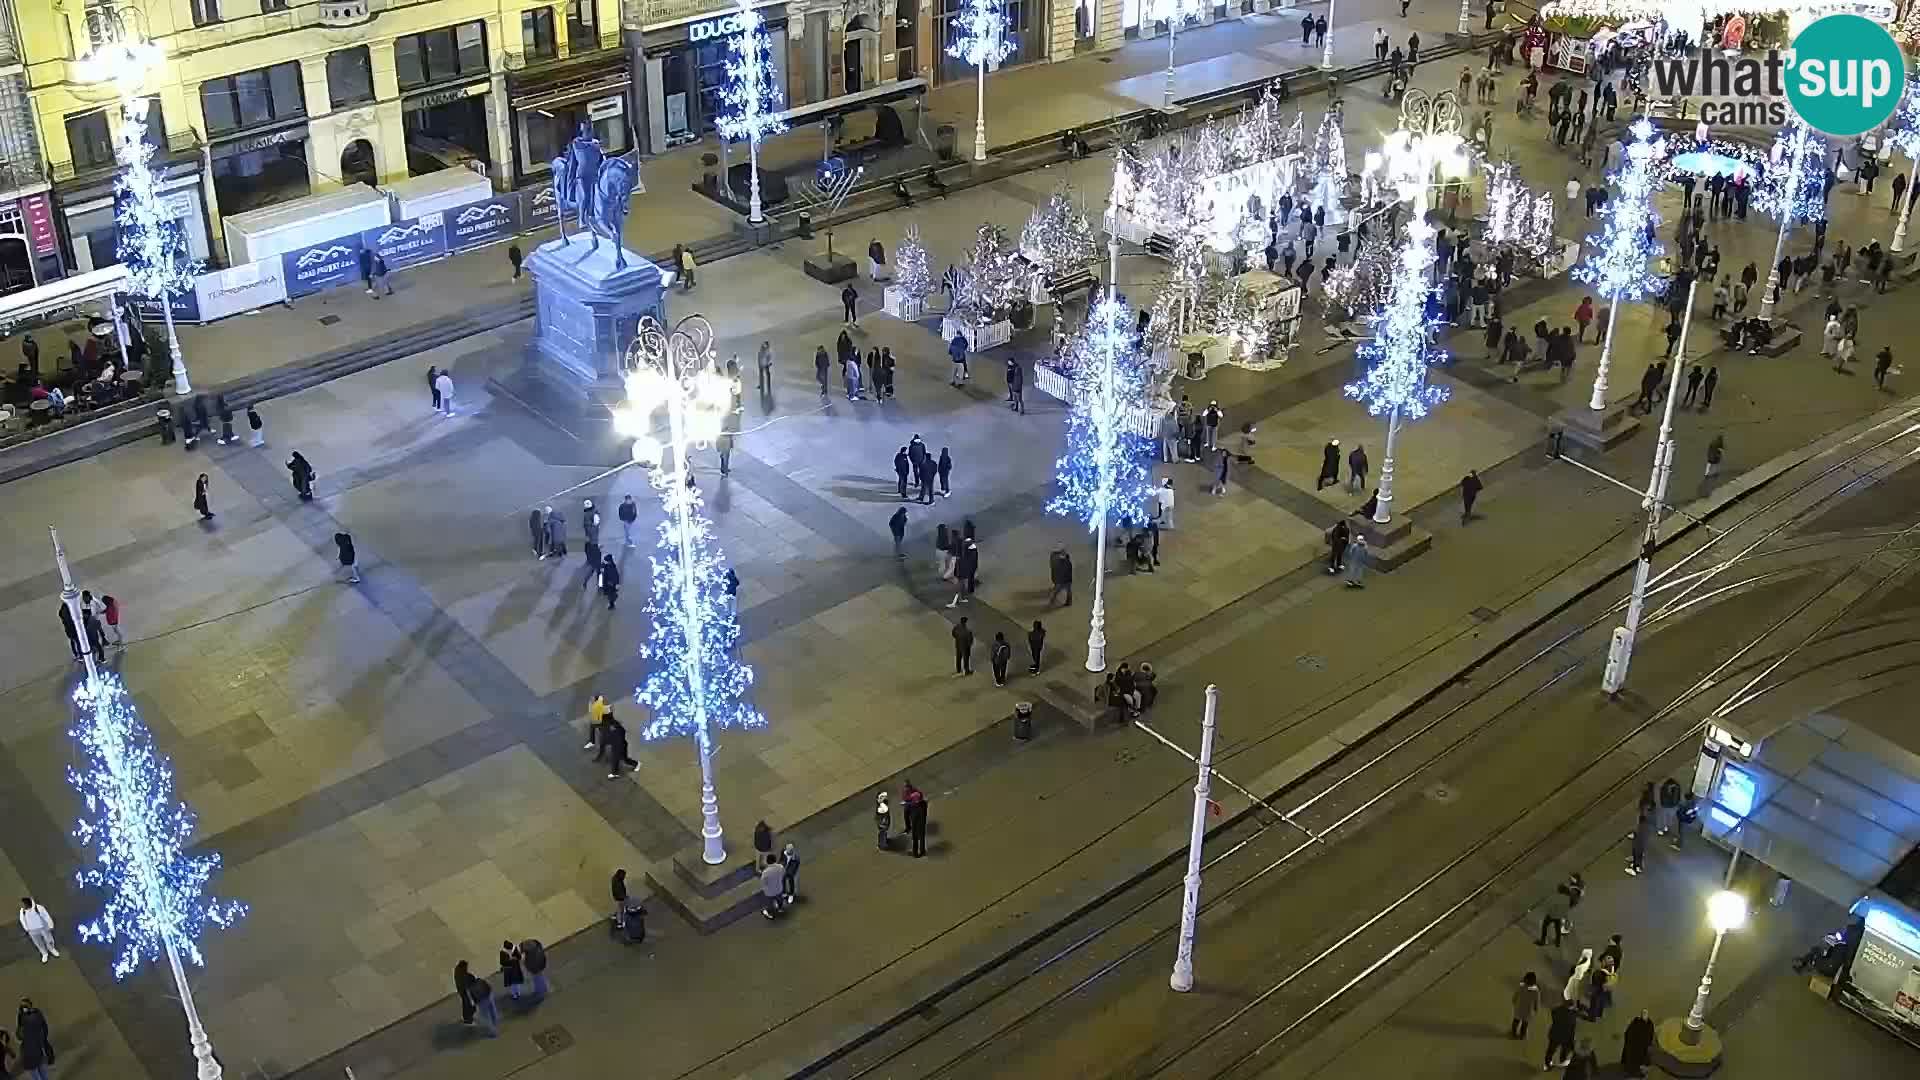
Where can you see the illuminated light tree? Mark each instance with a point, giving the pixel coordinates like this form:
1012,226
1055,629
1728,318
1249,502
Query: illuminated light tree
912,270
981,39
150,242
695,683
1621,266
1903,131
751,98
1058,238
1362,284
1794,189
1105,472
1518,219
1399,354
155,903
996,278
1327,164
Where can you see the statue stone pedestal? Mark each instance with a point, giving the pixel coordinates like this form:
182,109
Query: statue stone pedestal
586,313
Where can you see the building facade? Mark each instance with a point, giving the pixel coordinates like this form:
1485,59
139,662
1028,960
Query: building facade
29,246
263,101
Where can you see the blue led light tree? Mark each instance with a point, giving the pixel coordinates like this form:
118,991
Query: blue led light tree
1395,385
980,38
1793,189
149,241
1105,472
752,97
1903,131
695,683
155,901
1621,266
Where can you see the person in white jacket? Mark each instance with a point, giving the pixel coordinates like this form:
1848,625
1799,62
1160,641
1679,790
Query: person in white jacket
38,923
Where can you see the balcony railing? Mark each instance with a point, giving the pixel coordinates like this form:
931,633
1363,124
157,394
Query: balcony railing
15,175
574,49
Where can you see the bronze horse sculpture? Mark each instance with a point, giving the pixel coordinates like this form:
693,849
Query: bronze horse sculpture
598,191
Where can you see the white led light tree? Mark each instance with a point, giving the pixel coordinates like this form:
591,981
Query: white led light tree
1400,353
981,39
154,894
1903,131
1058,238
1621,266
695,684
1793,189
751,99
1105,473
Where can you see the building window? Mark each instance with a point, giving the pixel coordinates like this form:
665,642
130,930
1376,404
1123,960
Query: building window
205,12
452,52
350,76
268,7
252,98
88,141
156,133
536,31
583,25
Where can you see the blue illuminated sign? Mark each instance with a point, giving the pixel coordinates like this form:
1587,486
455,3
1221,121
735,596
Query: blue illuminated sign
1733,800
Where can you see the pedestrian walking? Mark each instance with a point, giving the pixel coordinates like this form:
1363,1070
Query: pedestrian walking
1036,644
897,525
484,1007
1636,1045
1707,387
556,526
1526,1002
110,610
1059,571
590,522
1598,994
1329,465
513,972
1221,469
1694,379
764,362
225,412
789,874
1576,982
1357,561
822,364
957,352
1210,420
1882,363
962,647
609,581
1470,486
1716,450
303,475
1637,844
849,299
882,822
258,427
1357,469
628,513
533,957
443,385
916,805
998,657
72,630
514,259
591,576
614,734
724,447
1337,540
537,531
200,501
945,468
1016,386
343,544
37,921
1164,498
35,1038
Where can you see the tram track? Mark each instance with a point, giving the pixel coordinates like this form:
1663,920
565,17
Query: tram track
1090,954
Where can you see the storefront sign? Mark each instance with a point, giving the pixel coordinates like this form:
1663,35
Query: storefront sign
442,97
240,288
321,266
479,223
186,307
38,211
709,29
606,107
539,207
248,145
408,242
663,13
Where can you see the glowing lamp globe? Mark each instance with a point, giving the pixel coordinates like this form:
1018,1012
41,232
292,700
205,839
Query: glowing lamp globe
647,450
1726,911
647,389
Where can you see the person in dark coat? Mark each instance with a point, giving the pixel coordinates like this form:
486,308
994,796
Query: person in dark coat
73,632
463,979
512,973
343,542
537,531
822,364
433,385
945,469
1561,1024
914,802
1470,486
35,1039
614,734
1636,1048
1060,570
609,581
302,476
902,467
1037,644
200,498
962,648
999,657
1584,1065
225,413
1329,465
1337,540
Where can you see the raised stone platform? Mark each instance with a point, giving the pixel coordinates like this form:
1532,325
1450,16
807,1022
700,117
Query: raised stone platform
1598,429
1675,1056
589,298
1392,545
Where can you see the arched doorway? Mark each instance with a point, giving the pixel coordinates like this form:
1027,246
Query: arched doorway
16,263
860,53
356,164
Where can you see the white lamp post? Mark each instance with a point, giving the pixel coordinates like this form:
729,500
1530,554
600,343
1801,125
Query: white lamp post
981,40
1182,977
1174,12
751,98
1427,139
1326,47
1620,648
1726,910
1903,131
1784,204
696,682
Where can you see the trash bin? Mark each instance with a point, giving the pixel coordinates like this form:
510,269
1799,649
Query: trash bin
945,140
163,416
1023,720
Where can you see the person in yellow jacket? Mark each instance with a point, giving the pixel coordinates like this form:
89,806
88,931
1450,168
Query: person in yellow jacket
597,710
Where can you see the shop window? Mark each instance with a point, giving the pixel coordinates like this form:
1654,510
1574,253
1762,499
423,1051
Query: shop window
350,76
546,132
583,25
451,52
536,32
88,140
262,96
267,7
156,133
205,12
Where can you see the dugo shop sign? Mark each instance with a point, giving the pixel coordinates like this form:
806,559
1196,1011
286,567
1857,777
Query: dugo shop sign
711,29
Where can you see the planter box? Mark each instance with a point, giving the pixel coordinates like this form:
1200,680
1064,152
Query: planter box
1054,383
979,338
901,306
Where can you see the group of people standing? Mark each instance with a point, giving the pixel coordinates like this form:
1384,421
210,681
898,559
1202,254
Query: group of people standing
100,617
518,963
878,369
916,467
547,534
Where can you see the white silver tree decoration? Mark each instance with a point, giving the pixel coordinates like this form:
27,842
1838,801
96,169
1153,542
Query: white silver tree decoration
1058,238
981,39
751,98
1518,219
1326,166
1354,288
912,270
696,684
996,278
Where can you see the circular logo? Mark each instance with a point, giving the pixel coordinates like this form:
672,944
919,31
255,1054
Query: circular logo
1846,75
